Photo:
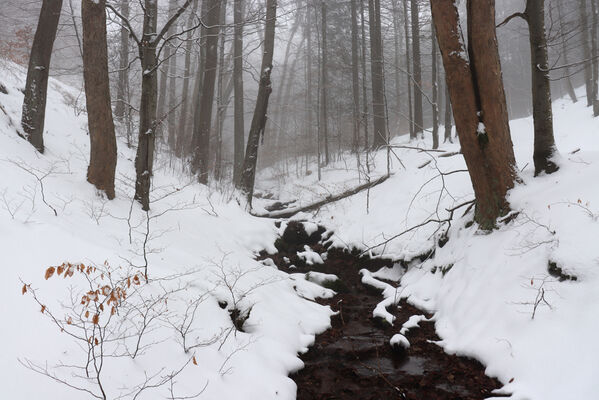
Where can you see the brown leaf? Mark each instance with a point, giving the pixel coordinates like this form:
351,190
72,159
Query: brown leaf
96,319
96,341
43,308
60,269
194,361
24,290
87,314
50,272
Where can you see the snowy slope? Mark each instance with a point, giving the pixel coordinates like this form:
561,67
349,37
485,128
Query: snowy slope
198,240
485,297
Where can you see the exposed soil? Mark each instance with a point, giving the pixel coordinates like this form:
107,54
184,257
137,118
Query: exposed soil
353,359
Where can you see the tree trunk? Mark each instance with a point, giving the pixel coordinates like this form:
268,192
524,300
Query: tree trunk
417,63
435,89
36,87
201,131
239,129
122,102
103,155
183,116
447,121
378,89
586,51
563,36
594,55
166,64
397,50
544,143
364,92
221,102
355,76
259,120
478,101
172,100
144,159
409,71
323,86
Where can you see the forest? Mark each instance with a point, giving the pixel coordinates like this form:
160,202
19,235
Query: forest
299,199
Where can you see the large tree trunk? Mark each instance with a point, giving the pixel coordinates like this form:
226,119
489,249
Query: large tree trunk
417,65
36,87
586,51
409,70
248,176
544,143
221,101
355,76
123,81
239,129
201,131
102,162
478,101
364,78
378,89
396,55
447,121
435,89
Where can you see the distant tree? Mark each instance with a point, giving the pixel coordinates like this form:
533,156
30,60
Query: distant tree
586,50
379,115
246,184
121,96
409,69
544,142
475,85
36,87
203,121
435,88
103,153
417,68
238,128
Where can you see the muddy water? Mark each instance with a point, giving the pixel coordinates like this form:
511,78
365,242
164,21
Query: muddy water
353,359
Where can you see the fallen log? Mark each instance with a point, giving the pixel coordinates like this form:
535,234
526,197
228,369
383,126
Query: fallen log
329,199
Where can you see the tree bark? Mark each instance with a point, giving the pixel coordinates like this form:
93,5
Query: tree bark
201,131
447,121
221,101
324,118
397,50
594,55
544,142
378,89
355,76
478,101
122,102
409,71
166,64
563,35
239,129
435,89
364,78
103,154
417,67
260,112
36,86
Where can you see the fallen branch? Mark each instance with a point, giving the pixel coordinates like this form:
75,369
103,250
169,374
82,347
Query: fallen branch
329,199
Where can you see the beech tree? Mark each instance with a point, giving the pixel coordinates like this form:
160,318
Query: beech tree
36,86
246,184
474,80
103,154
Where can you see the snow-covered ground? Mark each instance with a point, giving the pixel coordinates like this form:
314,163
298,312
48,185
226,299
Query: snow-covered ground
481,287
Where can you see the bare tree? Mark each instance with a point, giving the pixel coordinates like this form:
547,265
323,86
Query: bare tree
378,88
103,155
36,87
239,129
246,184
121,96
435,88
417,67
478,100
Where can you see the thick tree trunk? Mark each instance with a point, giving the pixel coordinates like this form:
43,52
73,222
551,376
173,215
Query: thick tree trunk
201,131
478,101
324,118
259,120
122,102
221,101
544,143
378,89
435,89
103,155
36,87
417,66
355,77
239,129
586,51
409,70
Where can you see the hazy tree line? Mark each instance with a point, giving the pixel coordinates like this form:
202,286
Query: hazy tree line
221,88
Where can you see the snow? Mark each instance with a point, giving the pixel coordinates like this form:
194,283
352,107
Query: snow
399,340
194,251
482,288
311,257
412,323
